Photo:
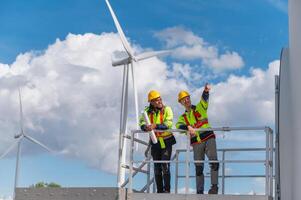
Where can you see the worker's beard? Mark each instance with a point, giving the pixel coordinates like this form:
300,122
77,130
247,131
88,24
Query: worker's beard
159,107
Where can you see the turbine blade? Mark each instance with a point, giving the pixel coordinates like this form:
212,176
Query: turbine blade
124,41
150,54
9,149
135,95
38,143
21,111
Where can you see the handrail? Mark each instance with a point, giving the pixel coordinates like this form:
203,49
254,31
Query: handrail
224,128
268,161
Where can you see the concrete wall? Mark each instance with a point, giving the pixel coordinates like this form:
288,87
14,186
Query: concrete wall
68,194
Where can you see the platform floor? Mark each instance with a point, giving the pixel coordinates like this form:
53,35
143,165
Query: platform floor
143,196
100,193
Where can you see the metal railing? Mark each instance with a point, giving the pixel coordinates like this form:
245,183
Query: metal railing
268,161
223,162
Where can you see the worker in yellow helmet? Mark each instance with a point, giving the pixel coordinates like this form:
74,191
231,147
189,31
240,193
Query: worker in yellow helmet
203,143
161,118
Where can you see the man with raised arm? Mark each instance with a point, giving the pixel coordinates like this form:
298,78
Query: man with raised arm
203,142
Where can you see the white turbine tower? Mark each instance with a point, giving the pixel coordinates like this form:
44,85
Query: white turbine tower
127,58
290,109
19,137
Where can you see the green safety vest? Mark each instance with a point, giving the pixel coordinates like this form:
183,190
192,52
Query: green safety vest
197,118
164,116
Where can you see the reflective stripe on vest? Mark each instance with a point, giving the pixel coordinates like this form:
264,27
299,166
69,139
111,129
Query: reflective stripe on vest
198,124
161,135
198,139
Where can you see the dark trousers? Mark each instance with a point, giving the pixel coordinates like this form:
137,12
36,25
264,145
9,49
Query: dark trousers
161,170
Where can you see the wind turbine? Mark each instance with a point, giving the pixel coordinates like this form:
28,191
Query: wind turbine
127,58
19,138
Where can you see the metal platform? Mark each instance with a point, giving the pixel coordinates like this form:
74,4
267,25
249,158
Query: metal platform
138,164
146,196
99,193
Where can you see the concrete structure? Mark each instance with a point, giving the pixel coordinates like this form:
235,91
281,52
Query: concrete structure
112,194
68,194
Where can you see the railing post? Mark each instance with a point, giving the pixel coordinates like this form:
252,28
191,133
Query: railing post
154,186
266,162
177,172
131,162
187,164
149,171
271,160
223,171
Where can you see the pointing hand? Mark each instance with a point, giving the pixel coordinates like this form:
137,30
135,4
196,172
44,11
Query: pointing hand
207,87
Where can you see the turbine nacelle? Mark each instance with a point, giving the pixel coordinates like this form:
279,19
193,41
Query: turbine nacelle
120,58
123,58
18,135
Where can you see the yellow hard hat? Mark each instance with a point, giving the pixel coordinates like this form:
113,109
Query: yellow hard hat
153,94
182,95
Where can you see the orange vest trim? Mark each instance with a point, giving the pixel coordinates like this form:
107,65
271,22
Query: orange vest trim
197,116
159,134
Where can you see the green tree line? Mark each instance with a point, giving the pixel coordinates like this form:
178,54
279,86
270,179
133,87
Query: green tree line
45,185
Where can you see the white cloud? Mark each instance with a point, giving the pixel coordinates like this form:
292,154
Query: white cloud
252,192
279,4
188,46
228,170
6,198
183,190
3,69
229,60
176,36
71,96
184,72
258,185
249,99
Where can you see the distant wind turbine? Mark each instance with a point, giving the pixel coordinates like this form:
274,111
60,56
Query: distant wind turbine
19,137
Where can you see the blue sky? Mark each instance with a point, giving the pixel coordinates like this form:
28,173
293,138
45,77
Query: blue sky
247,26
256,30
